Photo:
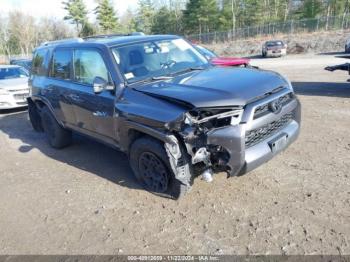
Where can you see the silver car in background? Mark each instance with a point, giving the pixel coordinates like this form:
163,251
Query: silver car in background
274,48
14,88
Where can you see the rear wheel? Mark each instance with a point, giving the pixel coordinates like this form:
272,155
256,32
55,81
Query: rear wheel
57,136
150,164
34,117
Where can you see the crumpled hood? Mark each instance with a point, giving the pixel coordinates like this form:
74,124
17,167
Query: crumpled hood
14,83
229,61
217,86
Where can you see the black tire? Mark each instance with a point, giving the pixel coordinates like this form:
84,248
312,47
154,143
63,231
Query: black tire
57,136
150,164
263,54
34,117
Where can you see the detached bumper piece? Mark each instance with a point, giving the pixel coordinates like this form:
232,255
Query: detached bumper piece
343,67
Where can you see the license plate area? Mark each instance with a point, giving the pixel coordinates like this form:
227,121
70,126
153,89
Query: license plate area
279,143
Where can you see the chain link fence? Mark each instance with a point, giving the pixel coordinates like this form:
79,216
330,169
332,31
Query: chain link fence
288,27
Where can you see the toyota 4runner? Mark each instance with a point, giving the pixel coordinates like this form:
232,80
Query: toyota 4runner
160,101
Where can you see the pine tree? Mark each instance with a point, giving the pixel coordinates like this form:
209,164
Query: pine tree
201,16
106,16
145,15
77,13
164,22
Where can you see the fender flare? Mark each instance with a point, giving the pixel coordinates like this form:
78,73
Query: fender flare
46,102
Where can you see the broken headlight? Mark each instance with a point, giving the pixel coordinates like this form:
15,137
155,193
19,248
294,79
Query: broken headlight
214,117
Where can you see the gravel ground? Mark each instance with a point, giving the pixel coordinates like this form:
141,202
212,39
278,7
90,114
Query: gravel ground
84,199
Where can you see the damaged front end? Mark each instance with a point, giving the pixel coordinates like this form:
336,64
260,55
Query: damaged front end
203,133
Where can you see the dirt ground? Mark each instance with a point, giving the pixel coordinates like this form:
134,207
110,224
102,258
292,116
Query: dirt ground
84,199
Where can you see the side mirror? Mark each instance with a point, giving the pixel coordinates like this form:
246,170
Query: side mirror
99,84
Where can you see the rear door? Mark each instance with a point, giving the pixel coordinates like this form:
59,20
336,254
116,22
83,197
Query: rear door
94,112
57,87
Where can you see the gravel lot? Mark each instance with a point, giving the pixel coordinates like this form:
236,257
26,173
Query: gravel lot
84,199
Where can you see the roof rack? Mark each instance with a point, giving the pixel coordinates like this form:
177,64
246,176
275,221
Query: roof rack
67,40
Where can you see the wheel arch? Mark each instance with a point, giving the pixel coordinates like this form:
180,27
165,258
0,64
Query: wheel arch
40,102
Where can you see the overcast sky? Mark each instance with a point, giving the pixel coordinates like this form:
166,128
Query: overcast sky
41,8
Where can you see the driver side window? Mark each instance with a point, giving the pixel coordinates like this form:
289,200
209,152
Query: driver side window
89,64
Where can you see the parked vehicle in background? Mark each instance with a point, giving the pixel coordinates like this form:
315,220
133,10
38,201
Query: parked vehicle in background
25,63
14,88
274,48
222,61
347,46
160,101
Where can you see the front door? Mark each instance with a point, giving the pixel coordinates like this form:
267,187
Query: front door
94,112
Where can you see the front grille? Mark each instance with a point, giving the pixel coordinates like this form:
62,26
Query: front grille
22,103
255,136
20,97
264,109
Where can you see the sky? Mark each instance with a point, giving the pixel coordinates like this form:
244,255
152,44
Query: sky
49,8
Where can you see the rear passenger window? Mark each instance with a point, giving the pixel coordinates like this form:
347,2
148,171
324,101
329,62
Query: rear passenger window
61,64
38,63
87,65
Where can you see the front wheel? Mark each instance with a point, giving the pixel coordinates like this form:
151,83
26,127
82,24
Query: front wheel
150,164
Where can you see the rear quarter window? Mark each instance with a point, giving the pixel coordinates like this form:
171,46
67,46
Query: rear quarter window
61,64
38,63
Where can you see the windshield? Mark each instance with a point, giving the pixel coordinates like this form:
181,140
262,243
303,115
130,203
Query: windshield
276,43
156,59
209,54
12,72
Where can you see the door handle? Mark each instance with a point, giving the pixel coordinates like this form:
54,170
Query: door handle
99,114
75,98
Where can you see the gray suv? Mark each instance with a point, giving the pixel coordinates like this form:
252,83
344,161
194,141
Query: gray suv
160,101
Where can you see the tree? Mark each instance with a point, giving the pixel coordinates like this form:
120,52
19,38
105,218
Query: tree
310,9
106,16
77,13
128,22
164,22
5,46
23,30
145,15
200,16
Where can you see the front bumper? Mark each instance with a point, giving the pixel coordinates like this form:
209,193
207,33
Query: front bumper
232,138
14,99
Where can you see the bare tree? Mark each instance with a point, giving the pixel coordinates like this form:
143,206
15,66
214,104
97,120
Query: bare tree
5,47
22,26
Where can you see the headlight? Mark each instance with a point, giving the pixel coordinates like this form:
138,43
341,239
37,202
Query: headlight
3,91
214,117
289,84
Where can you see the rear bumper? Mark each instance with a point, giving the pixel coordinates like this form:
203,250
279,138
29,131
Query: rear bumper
272,53
232,139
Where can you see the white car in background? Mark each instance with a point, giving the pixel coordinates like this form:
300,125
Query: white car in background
14,88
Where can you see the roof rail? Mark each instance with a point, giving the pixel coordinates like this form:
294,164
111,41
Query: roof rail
112,35
66,40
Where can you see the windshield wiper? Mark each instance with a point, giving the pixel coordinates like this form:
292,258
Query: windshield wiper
153,78
188,70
